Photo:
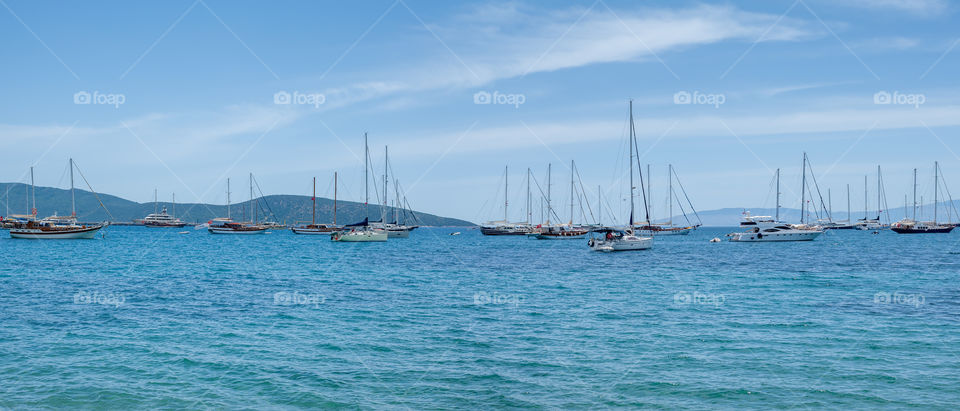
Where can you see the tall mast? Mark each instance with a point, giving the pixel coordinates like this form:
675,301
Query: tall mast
366,178
631,164
386,166
572,189
879,194
73,196
253,218
313,214
777,218
670,200
505,193
830,204
599,204
866,205
936,188
33,194
334,198
396,208
803,190
549,205
228,198
529,211
848,203
914,194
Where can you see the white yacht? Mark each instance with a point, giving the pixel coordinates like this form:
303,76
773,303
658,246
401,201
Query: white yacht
619,240
765,228
162,219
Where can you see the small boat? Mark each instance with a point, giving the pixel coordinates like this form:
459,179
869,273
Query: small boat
455,233
57,227
911,225
618,240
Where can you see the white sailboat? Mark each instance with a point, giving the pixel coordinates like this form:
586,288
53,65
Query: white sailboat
362,232
55,227
627,239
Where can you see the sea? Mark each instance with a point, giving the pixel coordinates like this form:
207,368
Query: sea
145,318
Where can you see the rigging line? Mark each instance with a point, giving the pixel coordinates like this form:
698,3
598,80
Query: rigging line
690,203
584,191
949,197
91,190
679,204
823,205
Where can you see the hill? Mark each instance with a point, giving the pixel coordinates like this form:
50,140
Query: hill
281,208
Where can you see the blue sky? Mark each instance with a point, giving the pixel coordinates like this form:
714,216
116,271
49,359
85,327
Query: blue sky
197,81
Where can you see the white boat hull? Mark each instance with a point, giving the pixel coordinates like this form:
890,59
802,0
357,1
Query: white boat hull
629,243
360,236
311,231
398,233
792,235
660,233
37,234
217,230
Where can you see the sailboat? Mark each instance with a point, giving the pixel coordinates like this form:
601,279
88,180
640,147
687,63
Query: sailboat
867,223
766,229
567,231
362,232
628,239
228,226
911,225
394,229
669,228
841,224
320,229
161,218
505,227
57,227
21,220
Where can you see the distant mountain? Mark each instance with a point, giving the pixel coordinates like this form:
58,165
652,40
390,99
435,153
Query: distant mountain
279,208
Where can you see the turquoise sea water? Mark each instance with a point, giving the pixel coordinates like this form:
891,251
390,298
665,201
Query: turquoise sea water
148,318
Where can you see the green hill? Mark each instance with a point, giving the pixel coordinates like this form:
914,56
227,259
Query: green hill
280,208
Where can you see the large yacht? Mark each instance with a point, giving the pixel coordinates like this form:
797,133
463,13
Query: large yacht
766,228
162,219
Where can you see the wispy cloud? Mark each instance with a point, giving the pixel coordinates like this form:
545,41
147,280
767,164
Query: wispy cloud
919,7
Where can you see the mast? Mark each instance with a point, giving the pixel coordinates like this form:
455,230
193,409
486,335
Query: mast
386,166
33,194
803,190
848,203
866,205
631,164
396,209
313,215
366,178
253,218
572,189
670,200
879,193
334,198
228,198
549,205
599,204
830,204
649,204
529,212
73,196
914,194
936,188
777,218
506,194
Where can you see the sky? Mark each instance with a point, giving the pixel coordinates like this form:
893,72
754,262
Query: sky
178,96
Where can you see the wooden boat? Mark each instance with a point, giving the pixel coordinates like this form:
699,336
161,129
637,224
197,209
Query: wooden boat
56,227
911,225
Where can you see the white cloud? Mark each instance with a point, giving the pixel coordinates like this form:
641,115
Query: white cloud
920,7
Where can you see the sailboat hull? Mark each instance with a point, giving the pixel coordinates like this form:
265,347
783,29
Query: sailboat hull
664,231
935,230
366,236
68,234
624,244
220,230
